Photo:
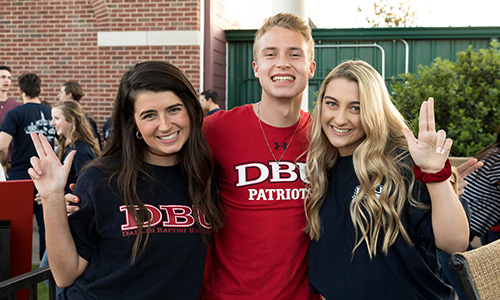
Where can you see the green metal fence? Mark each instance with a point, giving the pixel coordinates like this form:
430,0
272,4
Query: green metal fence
391,51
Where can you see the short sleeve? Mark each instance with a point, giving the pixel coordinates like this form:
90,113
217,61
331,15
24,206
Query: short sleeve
9,124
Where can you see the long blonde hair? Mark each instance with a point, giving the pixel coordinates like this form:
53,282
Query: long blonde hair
80,128
379,160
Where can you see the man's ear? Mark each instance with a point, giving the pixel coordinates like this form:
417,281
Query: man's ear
255,68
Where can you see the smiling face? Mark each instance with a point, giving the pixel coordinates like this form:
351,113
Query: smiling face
282,64
163,121
340,115
5,80
63,127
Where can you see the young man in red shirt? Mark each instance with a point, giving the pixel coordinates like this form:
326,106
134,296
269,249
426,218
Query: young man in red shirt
258,149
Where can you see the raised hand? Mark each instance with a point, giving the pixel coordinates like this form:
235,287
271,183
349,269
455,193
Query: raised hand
431,149
50,177
465,170
468,167
47,172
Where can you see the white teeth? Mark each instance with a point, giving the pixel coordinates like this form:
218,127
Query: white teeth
340,130
169,137
282,78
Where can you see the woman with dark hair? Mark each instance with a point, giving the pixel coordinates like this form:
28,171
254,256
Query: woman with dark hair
146,204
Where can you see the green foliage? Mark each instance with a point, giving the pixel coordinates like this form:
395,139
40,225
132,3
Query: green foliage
466,95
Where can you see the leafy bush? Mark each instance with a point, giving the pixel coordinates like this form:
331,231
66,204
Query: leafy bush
466,95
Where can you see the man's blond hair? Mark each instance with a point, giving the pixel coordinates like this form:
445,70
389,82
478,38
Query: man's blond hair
287,21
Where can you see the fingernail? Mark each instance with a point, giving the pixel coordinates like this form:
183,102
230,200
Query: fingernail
438,149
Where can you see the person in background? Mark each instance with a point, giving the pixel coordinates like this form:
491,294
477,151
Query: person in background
381,203
6,103
71,90
146,202
482,193
32,116
209,102
73,133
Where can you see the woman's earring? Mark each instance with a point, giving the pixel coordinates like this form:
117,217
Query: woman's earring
138,134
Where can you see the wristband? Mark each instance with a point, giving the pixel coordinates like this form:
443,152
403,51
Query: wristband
440,176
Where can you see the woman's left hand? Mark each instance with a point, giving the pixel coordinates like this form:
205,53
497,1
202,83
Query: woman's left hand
431,149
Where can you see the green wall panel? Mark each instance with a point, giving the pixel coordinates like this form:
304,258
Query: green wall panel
391,51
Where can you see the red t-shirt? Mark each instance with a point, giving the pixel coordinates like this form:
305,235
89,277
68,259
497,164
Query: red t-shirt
261,253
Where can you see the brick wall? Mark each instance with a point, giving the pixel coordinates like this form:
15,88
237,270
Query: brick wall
58,40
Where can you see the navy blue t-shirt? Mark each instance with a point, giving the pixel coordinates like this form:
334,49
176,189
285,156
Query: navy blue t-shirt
406,272
84,154
172,264
19,123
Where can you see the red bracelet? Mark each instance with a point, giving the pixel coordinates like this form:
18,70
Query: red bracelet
440,176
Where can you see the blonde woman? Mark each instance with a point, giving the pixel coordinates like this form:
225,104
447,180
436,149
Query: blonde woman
375,228
73,133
